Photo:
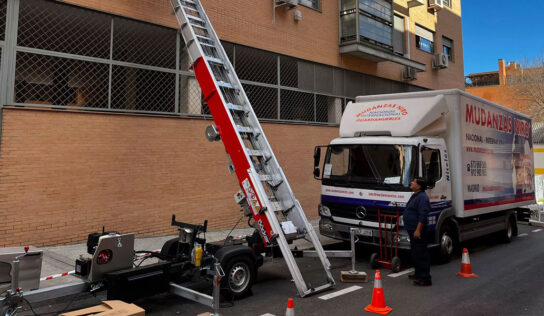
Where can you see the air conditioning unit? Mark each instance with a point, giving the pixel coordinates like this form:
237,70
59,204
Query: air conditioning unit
409,74
288,3
436,4
415,3
440,61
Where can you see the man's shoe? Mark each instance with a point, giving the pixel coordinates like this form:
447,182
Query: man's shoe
412,276
422,283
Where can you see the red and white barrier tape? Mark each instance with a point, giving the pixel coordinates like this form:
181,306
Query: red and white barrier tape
55,276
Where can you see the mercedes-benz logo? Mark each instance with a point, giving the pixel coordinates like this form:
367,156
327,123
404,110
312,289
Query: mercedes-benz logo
360,212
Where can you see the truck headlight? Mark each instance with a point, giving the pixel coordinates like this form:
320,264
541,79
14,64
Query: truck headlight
324,211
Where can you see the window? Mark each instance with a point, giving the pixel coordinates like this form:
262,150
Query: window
375,21
447,47
398,35
424,39
310,3
447,3
432,170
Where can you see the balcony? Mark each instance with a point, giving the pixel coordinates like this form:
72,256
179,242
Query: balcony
369,30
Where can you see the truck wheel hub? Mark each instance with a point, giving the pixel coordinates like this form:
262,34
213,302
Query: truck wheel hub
238,277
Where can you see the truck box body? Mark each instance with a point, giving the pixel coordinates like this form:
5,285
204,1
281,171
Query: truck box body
477,156
489,146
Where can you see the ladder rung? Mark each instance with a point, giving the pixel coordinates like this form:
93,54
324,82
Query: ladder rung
190,9
199,26
189,1
215,60
276,206
204,38
194,18
253,152
236,107
224,84
267,177
246,129
206,44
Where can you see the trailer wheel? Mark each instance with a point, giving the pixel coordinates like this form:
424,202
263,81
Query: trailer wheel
8,310
447,243
395,264
374,261
239,277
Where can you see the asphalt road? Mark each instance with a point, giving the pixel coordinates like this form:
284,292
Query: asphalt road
510,282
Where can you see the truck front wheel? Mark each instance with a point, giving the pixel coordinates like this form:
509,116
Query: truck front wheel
239,277
447,243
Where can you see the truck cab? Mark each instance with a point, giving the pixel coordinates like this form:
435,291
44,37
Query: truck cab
361,174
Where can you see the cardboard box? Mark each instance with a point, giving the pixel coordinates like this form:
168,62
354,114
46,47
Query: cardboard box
109,308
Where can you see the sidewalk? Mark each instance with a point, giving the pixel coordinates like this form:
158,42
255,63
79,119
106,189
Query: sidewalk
60,259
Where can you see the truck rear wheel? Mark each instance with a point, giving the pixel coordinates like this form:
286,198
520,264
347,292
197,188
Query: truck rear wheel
447,243
239,277
510,231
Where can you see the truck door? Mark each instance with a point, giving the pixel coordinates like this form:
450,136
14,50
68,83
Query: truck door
435,169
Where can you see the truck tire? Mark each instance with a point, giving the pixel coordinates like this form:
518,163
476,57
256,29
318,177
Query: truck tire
510,231
240,274
374,261
447,243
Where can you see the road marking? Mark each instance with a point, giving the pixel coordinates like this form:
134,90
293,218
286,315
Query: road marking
341,292
522,235
537,230
394,275
268,314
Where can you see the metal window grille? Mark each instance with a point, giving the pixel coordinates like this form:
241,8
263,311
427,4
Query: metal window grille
3,9
146,44
69,56
61,28
60,81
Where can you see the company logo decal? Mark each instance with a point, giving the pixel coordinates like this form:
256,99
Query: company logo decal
263,231
360,212
251,196
382,112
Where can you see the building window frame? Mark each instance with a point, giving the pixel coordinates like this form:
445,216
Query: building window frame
448,50
447,3
381,20
313,4
423,42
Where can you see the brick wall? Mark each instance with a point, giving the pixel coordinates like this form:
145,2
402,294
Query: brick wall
65,174
315,38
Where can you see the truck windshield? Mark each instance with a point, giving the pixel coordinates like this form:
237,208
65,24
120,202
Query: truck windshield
389,167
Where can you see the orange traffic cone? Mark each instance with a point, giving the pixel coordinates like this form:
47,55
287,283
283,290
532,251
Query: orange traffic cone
290,311
378,300
466,270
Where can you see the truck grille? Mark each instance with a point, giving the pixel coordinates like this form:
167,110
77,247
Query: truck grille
349,211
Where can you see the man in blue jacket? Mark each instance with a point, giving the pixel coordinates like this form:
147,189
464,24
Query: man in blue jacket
415,221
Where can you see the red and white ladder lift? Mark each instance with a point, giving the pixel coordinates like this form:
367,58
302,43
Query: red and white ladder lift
261,178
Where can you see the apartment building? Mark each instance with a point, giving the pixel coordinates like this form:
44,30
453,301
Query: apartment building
103,121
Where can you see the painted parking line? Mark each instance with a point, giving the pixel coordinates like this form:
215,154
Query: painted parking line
537,230
268,314
394,275
522,235
341,292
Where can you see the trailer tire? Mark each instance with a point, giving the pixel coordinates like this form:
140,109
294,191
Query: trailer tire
447,243
240,274
8,310
510,231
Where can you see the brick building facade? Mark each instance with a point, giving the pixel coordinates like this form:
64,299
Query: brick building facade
103,124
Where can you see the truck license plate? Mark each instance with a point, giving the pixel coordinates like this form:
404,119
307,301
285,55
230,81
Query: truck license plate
365,232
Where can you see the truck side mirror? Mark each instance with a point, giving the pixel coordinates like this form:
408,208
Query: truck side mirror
317,173
317,156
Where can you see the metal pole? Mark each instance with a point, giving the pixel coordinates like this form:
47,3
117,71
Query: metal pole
216,288
352,237
15,275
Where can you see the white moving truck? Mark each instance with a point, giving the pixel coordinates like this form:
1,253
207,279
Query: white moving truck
476,156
